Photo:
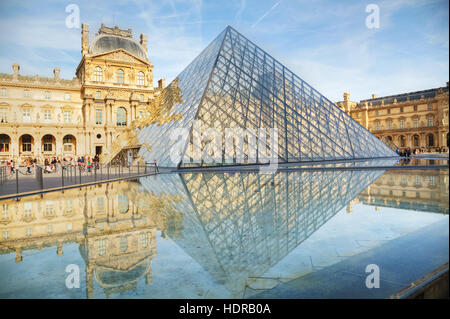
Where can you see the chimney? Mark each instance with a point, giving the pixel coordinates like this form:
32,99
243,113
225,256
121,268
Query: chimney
346,96
374,96
16,69
161,83
56,74
143,41
84,39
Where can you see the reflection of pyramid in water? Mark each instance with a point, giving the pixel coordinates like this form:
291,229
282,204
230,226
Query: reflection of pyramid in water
239,225
235,84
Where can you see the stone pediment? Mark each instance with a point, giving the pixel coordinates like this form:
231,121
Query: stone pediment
120,55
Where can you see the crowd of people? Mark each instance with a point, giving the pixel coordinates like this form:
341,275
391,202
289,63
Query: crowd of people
55,164
407,151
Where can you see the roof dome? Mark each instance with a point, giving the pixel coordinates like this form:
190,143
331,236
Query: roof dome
105,43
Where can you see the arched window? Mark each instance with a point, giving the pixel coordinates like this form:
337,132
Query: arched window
3,115
4,143
430,139
69,144
123,243
98,74
119,76
402,141
47,141
27,142
416,140
121,116
141,78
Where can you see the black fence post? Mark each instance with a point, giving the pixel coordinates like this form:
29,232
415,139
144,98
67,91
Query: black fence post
17,180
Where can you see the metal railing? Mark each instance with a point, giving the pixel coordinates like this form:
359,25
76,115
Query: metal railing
3,174
55,176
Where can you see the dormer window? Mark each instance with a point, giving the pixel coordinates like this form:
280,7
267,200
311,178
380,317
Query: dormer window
119,76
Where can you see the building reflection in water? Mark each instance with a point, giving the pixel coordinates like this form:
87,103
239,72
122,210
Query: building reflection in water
421,190
114,224
243,223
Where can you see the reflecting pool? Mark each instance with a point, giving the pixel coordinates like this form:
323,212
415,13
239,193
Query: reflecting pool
294,234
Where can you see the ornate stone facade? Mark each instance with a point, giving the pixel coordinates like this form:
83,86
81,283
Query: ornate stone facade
46,117
418,120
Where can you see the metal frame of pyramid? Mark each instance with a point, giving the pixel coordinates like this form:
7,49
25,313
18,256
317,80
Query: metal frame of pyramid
235,84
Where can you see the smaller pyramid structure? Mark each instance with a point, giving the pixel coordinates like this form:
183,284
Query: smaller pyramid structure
234,84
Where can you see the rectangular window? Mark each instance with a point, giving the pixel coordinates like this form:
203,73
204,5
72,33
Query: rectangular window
28,231
47,95
144,240
26,93
388,111
430,121
100,205
5,234
98,116
377,126
69,206
430,107
47,115
402,123
389,124
26,115
5,214
416,123
3,92
432,181
3,116
50,229
401,109
415,108
27,209
98,95
101,247
67,117
67,97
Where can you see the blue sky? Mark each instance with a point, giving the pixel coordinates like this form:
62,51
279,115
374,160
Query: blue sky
325,42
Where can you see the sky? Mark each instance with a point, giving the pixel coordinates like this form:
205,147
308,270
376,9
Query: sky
325,42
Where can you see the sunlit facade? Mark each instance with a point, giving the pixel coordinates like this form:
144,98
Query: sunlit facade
47,117
415,120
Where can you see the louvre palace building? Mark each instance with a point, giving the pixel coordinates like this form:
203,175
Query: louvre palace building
53,117
415,120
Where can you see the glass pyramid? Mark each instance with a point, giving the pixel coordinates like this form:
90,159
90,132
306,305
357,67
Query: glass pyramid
233,84
246,222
